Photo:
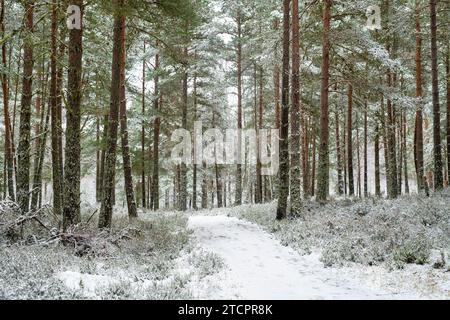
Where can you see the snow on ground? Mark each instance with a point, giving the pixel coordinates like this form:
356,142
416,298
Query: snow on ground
259,267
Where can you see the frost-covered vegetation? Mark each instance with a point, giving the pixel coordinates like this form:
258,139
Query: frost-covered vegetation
138,260
392,233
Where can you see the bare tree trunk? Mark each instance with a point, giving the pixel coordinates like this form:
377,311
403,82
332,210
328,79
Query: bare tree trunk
238,191
366,182
284,143
340,186
156,130
377,161
23,173
295,166
73,135
128,177
143,189
351,185
183,182
57,170
447,68
437,152
276,78
9,155
204,187
109,176
405,154
392,157
324,153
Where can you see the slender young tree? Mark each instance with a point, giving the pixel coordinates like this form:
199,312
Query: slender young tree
284,132
184,107
437,152
324,154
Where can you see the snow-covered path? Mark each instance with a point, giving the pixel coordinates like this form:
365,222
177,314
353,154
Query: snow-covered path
259,267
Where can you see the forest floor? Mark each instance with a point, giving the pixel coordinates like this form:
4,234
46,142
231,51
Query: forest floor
371,249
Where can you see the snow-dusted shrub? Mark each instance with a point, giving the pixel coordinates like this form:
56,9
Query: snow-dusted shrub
413,251
207,263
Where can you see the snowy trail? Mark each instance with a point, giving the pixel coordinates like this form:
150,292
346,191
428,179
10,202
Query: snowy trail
259,267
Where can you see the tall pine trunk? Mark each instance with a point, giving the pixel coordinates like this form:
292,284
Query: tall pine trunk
23,151
73,122
128,178
437,152
351,184
109,174
184,106
418,126
295,168
57,170
9,154
238,195
324,155
156,128
284,132
143,188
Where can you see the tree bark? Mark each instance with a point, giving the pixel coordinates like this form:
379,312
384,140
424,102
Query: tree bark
184,106
143,189
437,152
109,174
324,155
351,185
73,122
284,132
156,129
57,170
340,186
9,155
295,168
238,200
128,177
23,156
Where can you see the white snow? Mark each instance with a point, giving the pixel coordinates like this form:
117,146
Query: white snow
259,267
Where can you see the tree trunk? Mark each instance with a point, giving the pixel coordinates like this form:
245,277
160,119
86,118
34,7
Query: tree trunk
340,186
284,132
259,182
57,170
184,106
109,174
238,200
447,68
23,173
366,182
437,153
143,189
204,187
351,185
324,155
9,155
128,178
295,169
73,135
194,169
392,157
377,161
156,129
